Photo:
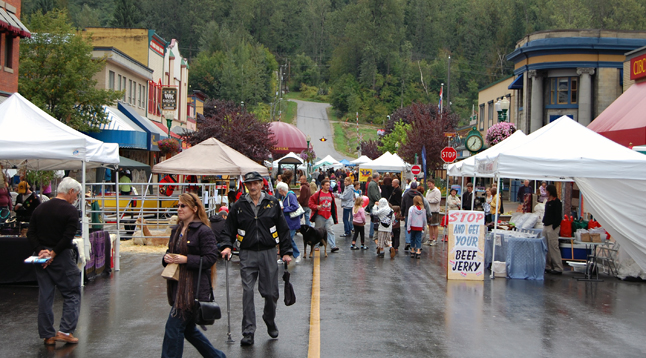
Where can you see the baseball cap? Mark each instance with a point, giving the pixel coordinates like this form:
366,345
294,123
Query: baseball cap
413,185
22,187
252,176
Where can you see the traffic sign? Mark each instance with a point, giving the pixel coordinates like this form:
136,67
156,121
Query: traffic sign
449,154
416,169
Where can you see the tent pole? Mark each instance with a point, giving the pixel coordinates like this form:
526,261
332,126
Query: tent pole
473,197
461,203
495,228
446,209
118,245
85,233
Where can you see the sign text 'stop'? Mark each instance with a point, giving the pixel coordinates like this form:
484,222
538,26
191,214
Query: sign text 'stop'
449,154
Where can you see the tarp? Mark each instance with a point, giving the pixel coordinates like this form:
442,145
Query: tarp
211,157
328,162
386,163
31,137
624,121
346,163
361,160
127,163
467,167
610,176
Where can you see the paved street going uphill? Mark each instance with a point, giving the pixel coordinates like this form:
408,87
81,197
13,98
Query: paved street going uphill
313,121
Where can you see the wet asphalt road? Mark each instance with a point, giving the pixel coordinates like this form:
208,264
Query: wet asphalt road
312,119
370,307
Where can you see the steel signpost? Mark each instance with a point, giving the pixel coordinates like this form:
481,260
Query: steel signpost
449,154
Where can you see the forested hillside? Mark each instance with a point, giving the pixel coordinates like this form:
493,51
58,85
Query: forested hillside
366,56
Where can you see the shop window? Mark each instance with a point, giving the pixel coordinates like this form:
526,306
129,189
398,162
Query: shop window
490,115
140,94
119,83
564,90
8,51
154,98
111,80
130,91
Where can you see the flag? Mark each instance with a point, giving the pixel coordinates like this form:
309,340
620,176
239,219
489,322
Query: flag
424,159
440,104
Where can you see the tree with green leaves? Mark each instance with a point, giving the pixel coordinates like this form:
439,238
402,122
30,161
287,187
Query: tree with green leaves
56,73
126,14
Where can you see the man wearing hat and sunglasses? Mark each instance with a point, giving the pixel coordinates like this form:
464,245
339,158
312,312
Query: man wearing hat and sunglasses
257,222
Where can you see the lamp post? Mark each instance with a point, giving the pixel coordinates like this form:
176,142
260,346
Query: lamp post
169,123
307,151
496,106
504,106
384,125
396,147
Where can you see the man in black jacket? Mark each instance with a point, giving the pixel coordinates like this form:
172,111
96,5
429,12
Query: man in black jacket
257,222
467,198
407,202
396,196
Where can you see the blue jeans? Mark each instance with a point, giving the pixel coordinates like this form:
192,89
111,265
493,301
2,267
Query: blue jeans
296,253
406,233
416,239
307,215
176,330
347,221
321,222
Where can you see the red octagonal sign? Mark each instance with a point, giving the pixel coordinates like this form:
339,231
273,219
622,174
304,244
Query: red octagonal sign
416,169
449,154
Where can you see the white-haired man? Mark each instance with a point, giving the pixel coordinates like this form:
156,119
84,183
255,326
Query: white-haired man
51,231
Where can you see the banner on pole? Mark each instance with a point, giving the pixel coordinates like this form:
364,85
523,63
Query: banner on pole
364,174
466,245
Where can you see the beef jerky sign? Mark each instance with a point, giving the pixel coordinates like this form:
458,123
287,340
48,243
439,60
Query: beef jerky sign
466,245
169,99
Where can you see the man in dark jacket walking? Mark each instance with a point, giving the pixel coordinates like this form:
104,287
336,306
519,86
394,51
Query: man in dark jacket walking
374,194
407,202
257,222
396,196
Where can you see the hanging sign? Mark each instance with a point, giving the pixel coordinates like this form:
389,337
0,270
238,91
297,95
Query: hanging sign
638,67
364,174
169,99
466,245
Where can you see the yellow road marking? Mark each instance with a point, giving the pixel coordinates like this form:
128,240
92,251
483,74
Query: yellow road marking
314,350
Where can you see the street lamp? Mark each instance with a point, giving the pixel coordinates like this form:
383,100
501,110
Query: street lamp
396,147
496,106
504,106
169,123
307,151
388,116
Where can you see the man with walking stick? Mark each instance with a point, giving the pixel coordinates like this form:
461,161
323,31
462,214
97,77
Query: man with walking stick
257,222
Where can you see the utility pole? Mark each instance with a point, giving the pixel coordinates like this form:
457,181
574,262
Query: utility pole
358,138
448,88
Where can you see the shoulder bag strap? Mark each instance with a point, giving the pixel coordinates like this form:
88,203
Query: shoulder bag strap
199,278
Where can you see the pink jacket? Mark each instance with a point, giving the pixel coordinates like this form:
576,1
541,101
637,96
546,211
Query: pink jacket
359,218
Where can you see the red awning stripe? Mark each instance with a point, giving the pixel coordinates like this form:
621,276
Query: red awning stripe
165,129
11,23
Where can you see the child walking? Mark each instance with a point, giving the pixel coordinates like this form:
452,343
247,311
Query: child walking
415,226
358,222
385,214
396,227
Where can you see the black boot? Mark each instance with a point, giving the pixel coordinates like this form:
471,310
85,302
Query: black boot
247,340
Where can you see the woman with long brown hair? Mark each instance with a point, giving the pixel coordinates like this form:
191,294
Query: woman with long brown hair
191,240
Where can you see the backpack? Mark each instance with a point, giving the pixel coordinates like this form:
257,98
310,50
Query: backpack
385,222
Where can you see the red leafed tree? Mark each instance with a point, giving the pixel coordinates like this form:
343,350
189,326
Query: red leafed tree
232,125
427,129
370,149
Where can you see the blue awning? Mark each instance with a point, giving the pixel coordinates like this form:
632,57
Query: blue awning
518,83
154,135
121,130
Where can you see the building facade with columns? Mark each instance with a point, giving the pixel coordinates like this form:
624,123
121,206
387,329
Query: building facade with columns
576,73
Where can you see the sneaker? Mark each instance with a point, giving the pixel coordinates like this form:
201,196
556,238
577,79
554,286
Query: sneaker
297,260
407,247
280,261
353,247
363,247
432,243
334,249
247,340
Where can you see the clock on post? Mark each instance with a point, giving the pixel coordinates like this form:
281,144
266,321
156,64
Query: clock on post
474,141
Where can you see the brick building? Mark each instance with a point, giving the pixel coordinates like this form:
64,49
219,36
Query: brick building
11,31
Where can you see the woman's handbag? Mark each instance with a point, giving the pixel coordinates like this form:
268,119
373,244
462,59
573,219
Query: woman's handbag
206,312
294,214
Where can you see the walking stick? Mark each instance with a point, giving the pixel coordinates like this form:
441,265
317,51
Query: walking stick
226,265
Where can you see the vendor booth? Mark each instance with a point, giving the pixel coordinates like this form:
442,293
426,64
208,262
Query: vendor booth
609,175
327,163
290,161
361,160
47,144
387,162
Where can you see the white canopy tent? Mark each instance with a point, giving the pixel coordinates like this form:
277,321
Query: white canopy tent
48,144
387,162
328,162
467,167
290,160
610,176
361,160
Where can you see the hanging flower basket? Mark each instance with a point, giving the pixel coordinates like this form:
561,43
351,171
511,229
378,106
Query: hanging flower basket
168,146
499,132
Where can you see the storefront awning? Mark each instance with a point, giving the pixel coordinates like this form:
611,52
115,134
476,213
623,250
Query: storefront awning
517,83
165,130
624,121
120,129
154,134
11,23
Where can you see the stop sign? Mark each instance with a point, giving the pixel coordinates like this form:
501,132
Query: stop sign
449,154
416,169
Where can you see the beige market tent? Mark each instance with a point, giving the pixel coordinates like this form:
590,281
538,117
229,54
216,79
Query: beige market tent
210,157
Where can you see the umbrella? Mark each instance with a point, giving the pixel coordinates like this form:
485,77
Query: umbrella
290,297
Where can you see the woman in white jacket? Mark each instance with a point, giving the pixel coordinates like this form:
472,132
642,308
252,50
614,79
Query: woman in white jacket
384,240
